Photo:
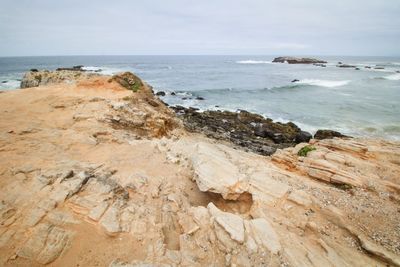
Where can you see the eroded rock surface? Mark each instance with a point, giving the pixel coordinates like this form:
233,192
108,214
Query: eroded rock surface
94,174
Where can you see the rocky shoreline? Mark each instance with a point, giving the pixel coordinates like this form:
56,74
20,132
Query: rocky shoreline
97,171
248,130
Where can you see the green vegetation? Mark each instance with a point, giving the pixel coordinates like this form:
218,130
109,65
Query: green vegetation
304,151
135,86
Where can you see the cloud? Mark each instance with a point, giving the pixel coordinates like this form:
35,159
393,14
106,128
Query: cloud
347,27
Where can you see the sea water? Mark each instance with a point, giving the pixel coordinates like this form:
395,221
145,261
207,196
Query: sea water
364,102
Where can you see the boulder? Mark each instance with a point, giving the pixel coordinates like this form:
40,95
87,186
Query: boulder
327,134
200,98
295,80
296,60
160,93
303,137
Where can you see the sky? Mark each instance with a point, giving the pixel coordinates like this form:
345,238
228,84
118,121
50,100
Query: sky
199,27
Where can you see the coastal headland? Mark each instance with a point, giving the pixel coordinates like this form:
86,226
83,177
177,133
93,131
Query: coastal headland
97,171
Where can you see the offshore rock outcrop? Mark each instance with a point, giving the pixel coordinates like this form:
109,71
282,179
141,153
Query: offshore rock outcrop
94,174
296,60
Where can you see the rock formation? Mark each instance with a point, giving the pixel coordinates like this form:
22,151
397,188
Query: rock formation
93,174
296,60
247,130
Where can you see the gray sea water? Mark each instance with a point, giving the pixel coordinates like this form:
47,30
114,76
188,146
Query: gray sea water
363,102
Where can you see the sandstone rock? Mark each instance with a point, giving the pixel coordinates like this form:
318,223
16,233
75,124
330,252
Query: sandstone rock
263,234
46,244
231,223
215,173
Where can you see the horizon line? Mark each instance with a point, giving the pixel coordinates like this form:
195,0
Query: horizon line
116,55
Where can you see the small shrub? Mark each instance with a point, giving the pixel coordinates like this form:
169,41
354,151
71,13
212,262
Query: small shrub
304,151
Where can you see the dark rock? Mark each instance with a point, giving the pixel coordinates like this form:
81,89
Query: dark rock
328,134
345,66
379,68
4,82
397,71
173,93
34,70
74,68
186,98
340,63
367,67
248,130
296,60
302,137
161,93
199,98
357,68
319,65
295,80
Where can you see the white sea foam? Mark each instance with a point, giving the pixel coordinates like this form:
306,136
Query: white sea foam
103,70
253,62
323,83
11,84
393,77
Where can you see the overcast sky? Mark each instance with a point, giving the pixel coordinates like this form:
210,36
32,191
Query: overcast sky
133,27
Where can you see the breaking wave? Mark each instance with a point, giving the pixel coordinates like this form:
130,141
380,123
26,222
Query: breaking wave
393,77
322,83
253,62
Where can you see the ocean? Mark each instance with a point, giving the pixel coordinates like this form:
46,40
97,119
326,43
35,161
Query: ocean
364,102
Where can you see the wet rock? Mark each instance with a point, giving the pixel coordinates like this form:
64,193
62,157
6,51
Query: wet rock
295,80
74,68
4,82
379,68
320,65
160,93
200,98
303,137
328,134
295,60
367,67
357,68
173,93
34,70
345,66
252,131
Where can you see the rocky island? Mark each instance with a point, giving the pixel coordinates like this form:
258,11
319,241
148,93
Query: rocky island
97,171
297,60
